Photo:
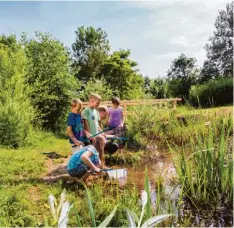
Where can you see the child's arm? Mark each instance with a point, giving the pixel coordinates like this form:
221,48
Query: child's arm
122,119
72,137
109,118
84,116
85,157
86,128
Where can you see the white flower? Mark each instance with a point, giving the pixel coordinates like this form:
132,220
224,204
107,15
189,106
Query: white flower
144,198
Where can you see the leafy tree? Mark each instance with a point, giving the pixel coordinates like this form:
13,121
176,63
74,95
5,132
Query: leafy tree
90,51
50,77
122,76
147,83
96,86
182,74
159,88
16,112
209,71
220,47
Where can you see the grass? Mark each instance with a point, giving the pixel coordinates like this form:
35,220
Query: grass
172,126
24,195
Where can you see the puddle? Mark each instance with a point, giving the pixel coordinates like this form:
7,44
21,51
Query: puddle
160,167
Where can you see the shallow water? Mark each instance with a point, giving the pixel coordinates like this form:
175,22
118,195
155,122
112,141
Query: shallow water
162,166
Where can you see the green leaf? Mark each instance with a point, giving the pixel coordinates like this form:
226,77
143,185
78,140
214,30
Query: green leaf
78,219
155,220
91,211
108,219
131,222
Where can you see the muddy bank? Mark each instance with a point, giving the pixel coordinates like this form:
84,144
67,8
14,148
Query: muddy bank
158,165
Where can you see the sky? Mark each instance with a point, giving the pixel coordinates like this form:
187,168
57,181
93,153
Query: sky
156,32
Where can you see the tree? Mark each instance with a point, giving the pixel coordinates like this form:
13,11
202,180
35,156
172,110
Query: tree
159,88
96,86
50,77
147,83
182,74
122,76
209,71
16,111
90,51
220,47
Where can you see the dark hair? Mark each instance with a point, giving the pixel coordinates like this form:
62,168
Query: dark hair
115,100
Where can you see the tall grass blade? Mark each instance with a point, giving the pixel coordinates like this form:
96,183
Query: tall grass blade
90,205
147,189
78,219
155,220
108,219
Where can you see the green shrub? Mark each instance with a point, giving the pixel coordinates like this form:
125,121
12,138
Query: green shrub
16,112
214,92
49,75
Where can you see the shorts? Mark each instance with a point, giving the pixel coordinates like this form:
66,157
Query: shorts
120,131
82,169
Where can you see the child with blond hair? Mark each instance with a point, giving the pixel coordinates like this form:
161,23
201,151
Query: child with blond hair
75,128
91,119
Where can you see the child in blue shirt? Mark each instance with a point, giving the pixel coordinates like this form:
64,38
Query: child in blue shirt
83,160
75,127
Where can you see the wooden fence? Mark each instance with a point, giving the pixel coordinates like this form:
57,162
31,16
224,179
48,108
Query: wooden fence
126,103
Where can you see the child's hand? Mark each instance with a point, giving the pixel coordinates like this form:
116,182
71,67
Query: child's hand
88,135
121,125
97,170
79,143
93,140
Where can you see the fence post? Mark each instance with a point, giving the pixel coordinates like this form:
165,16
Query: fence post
125,111
174,104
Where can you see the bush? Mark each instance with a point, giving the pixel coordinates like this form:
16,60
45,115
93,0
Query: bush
53,84
215,92
16,112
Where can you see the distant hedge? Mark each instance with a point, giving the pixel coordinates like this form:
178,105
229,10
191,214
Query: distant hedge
213,93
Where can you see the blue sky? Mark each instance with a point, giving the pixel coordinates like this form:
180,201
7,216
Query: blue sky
156,32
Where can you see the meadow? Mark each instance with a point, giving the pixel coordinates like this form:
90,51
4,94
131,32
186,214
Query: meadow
199,142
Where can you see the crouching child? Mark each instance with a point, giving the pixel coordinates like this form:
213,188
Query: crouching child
82,161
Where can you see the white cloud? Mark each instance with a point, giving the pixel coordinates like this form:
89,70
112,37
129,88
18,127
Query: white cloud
180,40
174,27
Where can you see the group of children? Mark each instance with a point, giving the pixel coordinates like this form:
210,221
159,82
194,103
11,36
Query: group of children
86,136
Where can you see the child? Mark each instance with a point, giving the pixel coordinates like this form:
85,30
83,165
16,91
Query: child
91,124
104,115
116,117
75,129
83,160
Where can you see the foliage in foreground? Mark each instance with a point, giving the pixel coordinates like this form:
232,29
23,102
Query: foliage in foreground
205,169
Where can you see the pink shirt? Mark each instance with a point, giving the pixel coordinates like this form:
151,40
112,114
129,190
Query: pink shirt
115,116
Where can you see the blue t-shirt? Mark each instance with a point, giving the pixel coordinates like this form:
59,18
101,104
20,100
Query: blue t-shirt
75,160
75,121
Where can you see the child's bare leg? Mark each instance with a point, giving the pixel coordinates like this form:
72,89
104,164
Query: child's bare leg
111,132
85,179
101,141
